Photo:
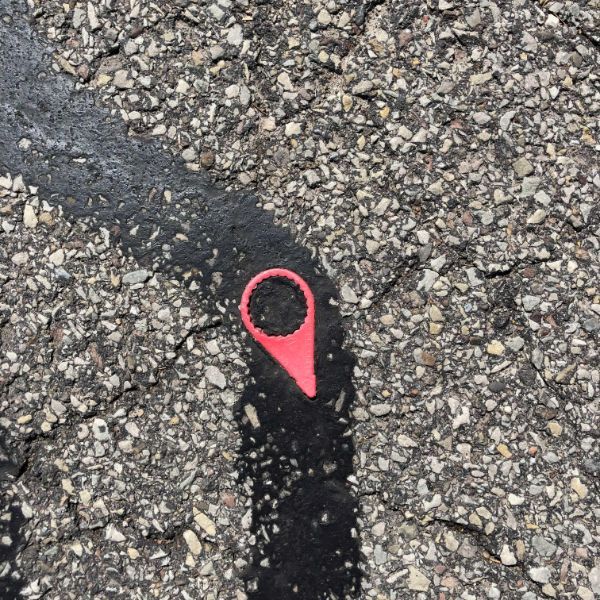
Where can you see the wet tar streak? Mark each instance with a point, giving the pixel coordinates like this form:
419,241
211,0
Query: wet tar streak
298,460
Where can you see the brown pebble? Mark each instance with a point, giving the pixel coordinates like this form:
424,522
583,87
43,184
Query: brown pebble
46,218
137,30
207,159
404,38
427,359
84,72
228,499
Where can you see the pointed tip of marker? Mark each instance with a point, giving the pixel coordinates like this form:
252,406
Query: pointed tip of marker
309,386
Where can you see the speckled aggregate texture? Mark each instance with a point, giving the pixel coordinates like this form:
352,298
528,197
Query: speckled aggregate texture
440,159
112,472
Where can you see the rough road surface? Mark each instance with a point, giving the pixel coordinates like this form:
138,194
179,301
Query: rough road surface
438,161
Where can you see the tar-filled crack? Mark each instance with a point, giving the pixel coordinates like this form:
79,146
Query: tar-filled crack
297,462
400,272
480,540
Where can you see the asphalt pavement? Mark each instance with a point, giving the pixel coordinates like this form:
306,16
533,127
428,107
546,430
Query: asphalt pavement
430,169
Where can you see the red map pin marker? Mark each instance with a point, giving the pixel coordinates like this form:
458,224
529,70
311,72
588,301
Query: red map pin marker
294,352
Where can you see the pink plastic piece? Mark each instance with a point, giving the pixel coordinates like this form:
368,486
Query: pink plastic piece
294,352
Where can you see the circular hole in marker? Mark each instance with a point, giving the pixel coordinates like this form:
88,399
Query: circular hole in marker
277,306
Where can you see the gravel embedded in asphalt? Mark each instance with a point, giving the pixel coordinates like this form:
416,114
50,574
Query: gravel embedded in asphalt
440,160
